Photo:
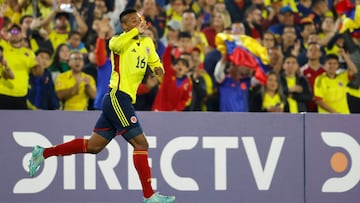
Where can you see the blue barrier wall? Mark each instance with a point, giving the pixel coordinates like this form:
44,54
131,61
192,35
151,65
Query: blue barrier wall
199,157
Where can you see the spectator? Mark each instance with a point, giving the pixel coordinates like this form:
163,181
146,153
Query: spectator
172,34
276,59
268,98
36,35
211,59
329,29
304,7
41,93
20,60
196,6
175,10
100,9
83,12
74,87
198,38
270,13
234,84
74,42
5,72
330,87
252,22
184,44
236,9
200,70
289,45
312,70
237,28
60,61
319,8
104,66
307,27
313,38
296,88
198,82
154,15
175,89
286,19
43,8
206,14
268,40
352,44
12,11
62,26
220,21
90,68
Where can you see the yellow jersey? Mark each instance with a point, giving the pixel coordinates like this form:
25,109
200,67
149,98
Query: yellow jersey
21,61
332,91
271,101
293,106
56,39
129,58
79,101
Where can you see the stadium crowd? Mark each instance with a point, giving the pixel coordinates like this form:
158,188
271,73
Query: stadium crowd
218,55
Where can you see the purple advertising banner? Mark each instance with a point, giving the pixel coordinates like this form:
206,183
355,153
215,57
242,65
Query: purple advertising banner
198,157
332,154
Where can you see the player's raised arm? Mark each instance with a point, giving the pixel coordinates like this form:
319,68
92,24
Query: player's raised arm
133,26
119,42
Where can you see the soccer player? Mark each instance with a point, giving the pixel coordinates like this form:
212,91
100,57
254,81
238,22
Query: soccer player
131,53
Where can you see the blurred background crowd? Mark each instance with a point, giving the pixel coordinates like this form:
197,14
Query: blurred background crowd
219,55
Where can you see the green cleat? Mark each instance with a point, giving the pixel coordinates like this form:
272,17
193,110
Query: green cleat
157,198
36,160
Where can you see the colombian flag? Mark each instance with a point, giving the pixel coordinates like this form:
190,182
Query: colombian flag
350,17
243,50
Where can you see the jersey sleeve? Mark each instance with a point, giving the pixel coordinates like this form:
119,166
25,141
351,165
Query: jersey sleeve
117,43
154,59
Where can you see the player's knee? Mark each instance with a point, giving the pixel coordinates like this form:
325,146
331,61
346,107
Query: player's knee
95,149
139,142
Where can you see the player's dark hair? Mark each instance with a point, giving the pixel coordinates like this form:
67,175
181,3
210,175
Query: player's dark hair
126,12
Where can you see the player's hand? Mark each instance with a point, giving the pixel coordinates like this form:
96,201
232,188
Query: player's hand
151,82
158,71
142,26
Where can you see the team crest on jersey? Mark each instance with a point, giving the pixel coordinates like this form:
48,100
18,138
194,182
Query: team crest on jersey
148,50
340,84
133,119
